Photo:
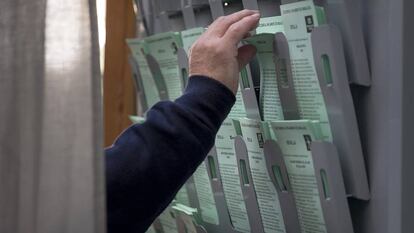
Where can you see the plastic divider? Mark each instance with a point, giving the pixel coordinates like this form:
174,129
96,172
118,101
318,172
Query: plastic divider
170,15
346,15
274,157
225,224
284,78
157,74
249,193
181,226
157,226
267,8
250,4
183,65
327,46
249,98
138,84
192,193
216,7
331,187
192,20
188,14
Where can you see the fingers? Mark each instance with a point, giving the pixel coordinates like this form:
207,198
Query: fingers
245,55
220,25
237,31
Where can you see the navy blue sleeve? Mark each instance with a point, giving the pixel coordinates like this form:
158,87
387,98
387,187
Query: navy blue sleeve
149,163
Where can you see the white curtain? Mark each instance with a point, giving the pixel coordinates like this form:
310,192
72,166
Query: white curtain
51,161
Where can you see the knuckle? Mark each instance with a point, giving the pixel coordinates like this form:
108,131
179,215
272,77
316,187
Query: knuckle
221,19
235,29
206,45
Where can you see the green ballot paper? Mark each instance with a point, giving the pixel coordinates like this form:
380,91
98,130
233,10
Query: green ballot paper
205,195
230,176
267,197
168,220
227,163
190,36
182,196
294,139
238,110
139,50
269,100
273,24
163,48
299,19
136,119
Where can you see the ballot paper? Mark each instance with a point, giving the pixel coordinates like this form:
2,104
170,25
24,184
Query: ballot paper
230,176
299,19
182,196
238,110
163,48
269,100
294,139
168,220
136,119
190,36
267,196
139,51
208,209
227,163
273,24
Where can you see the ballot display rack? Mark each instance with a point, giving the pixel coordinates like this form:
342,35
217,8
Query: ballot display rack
340,56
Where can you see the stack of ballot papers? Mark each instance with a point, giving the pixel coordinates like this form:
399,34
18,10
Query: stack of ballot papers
162,79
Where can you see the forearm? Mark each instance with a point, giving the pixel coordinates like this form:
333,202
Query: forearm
149,163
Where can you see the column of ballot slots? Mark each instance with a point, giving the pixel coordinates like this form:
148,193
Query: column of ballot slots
289,156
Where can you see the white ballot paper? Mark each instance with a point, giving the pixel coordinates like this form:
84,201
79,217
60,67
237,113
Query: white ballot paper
299,19
294,139
267,197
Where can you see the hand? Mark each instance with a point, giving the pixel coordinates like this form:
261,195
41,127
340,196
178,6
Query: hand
216,53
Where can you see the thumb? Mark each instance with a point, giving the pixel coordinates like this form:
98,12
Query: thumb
245,55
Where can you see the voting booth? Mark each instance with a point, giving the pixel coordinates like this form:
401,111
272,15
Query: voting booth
313,142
